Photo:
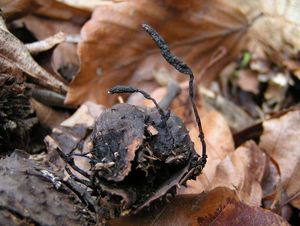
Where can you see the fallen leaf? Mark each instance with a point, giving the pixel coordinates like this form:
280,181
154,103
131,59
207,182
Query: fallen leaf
219,143
47,8
242,170
13,9
64,60
280,140
115,50
13,49
218,207
280,18
60,11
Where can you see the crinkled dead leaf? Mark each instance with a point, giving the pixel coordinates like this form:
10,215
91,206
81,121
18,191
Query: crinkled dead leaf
280,140
242,170
277,29
13,49
64,60
220,206
60,11
13,9
115,50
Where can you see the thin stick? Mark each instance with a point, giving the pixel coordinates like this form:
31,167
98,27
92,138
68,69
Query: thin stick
180,66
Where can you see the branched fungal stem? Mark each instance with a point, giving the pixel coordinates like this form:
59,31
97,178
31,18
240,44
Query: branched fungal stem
68,159
129,89
180,66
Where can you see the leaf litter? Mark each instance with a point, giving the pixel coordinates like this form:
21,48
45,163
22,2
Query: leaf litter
248,107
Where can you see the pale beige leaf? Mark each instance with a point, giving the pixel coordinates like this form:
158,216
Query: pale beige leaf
242,170
279,25
280,140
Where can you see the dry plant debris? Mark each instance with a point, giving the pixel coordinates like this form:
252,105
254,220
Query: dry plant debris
205,43
218,207
131,156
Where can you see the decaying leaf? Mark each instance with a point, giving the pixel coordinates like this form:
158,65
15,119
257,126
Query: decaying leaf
242,170
13,9
280,140
115,50
13,49
277,28
64,60
220,206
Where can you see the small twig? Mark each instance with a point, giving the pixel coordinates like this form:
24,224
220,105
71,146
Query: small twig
48,97
46,44
129,89
172,91
180,66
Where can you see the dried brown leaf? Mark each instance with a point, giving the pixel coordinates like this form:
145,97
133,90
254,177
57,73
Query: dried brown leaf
64,58
219,145
216,208
14,9
280,140
13,49
242,170
60,11
114,49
